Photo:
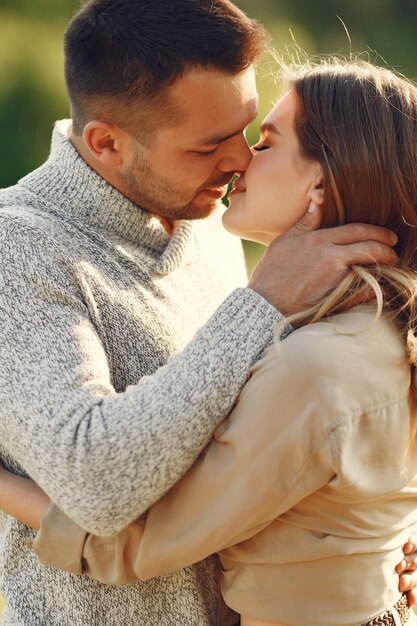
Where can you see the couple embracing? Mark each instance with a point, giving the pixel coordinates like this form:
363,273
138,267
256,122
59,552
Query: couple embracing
194,450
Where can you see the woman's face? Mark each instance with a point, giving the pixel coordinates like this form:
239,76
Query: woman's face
279,184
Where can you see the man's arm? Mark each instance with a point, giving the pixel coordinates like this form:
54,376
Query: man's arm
259,463
105,457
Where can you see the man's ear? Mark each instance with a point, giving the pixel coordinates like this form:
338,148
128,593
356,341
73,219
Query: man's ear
316,191
104,141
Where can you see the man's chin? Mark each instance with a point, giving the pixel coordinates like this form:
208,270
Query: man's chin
197,210
205,202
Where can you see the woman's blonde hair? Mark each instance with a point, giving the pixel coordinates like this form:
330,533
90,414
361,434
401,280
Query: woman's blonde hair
360,123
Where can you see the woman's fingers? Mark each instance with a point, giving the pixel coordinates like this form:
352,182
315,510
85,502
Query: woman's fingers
408,581
412,597
410,547
409,561
408,584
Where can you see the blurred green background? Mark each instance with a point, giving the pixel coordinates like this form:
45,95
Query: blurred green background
32,93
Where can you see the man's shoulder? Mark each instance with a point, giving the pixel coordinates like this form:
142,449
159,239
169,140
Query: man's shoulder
18,203
28,232
23,214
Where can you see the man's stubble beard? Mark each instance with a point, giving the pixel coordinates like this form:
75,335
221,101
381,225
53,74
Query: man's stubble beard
157,195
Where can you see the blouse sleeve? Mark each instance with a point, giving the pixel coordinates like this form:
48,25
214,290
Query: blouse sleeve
274,449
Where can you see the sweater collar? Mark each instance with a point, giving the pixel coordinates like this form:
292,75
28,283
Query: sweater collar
66,184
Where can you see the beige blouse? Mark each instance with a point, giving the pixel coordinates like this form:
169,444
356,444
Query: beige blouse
308,490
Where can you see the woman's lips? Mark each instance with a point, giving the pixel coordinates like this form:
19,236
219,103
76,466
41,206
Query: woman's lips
237,189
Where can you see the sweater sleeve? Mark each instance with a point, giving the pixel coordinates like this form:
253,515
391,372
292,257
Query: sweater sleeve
270,453
105,457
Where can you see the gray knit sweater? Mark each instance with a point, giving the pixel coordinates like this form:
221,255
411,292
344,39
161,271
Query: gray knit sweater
106,395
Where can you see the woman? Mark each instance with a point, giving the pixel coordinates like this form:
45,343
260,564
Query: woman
313,539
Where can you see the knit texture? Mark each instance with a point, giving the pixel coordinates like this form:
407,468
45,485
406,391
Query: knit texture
107,393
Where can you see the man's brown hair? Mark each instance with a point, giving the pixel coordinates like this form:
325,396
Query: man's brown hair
124,52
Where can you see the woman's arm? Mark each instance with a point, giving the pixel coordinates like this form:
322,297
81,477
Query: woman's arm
254,469
22,498
260,462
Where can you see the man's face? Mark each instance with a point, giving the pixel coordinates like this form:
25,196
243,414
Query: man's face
186,168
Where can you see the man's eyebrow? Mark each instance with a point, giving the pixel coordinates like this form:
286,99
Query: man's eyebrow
268,126
213,141
216,140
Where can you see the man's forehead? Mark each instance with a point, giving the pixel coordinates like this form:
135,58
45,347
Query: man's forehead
215,105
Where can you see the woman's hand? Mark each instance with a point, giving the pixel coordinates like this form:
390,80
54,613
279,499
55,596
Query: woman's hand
22,498
407,570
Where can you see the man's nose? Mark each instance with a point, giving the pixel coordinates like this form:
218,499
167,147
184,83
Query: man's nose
238,156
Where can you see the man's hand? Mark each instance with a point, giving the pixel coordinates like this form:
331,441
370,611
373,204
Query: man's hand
303,265
407,570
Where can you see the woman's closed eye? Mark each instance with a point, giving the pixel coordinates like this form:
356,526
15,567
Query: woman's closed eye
260,147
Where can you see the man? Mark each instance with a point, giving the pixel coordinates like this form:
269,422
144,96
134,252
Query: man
106,272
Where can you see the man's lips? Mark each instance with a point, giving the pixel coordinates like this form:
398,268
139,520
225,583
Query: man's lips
219,185
216,192
217,189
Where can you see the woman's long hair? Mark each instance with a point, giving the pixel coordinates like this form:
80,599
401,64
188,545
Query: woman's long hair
360,123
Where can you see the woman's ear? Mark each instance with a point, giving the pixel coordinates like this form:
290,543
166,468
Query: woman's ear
316,191
104,142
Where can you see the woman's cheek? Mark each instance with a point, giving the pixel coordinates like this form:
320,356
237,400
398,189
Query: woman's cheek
232,220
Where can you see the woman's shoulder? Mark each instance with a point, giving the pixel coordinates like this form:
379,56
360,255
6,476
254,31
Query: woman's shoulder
349,360
346,338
